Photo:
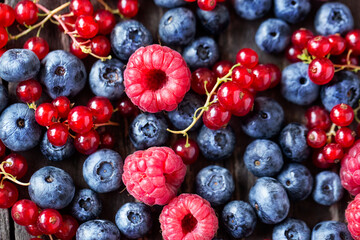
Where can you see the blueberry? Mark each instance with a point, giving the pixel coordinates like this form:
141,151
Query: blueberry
251,10
273,35
148,130
332,18
216,145
55,153
62,74
97,229
18,65
169,3
331,230
18,128
296,86
51,187
134,219
103,170
265,120
293,142
106,79
263,158
86,205
177,27
215,184
327,188
269,199
343,88
182,117
4,98
292,11
127,36
201,53
297,181
291,229
239,219
215,21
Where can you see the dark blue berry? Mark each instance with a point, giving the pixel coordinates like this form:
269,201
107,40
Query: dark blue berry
239,219
327,189
55,153
331,230
291,229
251,10
86,205
292,11
169,3
4,97
201,53
98,229
215,21
51,187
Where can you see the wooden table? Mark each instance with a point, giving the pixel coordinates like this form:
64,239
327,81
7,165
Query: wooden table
239,34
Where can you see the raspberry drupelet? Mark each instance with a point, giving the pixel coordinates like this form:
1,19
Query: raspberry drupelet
352,217
350,170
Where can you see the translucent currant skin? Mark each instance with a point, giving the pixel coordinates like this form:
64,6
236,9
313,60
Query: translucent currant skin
25,212
62,105
8,194
38,45
16,165
198,79
68,228
101,108
342,115
87,143
222,68
58,134
247,57
301,37
317,117
316,138
321,71
49,221
128,8
189,154
26,12
216,117
106,21
80,119
29,91
7,15
126,108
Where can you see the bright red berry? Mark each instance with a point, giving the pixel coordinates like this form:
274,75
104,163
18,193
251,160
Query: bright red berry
49,221
38,45
100,46
25,212
316,138
247,57
80,119
128,8
62,105
7,15
86,26
16,165
101,109
81,7
262,77
107,140
26,12
301,37
319,46
222,68
342,115
126,108
33,230
75,49
69,22
242,77
321,71
2,149
338,44
317,117
58,134
353,41
292,53
29,91
3,37
216,117
206,5
68,228
106,21
8,194
188,153
319,160
352,217
275,74
350,170
87,143
46,114
198,79
345,137
333,152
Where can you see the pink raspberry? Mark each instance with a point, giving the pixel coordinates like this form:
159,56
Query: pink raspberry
153,176
350,170
156,78
188,217
353,217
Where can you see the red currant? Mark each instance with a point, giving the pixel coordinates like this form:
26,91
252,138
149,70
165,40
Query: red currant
262,77
46,114
189,154
275,74
242,77
86,26
198,79
342,115
107,140
292,53
128,8
321,71
316,138
317,117
8,194
338,44
2,149
301,37
353,41
16,165
100,46
87,143
106,21
29,91
2,51
49,221
247,57
69,22
76,49
216,117
62,105
319,46
25,212
345,137
342,59
58,134
81,7
3,37
333,152
26,12
7,15
38,45
68,228
206,5
222,68
33,230
80,119
319,160
126,108
101,109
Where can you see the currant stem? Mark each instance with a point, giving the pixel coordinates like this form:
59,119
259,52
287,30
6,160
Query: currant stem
356,113
106,124
9,176
331,133
51,238
106,6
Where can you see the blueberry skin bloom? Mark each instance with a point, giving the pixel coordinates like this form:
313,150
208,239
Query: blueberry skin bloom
269,199
331,230
216,145
127,36
201,53
19,65
182,117
106,79
215,184
103,170
327,189
51,187
18,129
292,11
55,153
251,10
62,74
169,3
265,120
86,205
296,86
215,21
134,219
4,98
273,35
97,229
332,18
263,158
297,181
344,88
291,229
177,27
239,219
148,130
293,142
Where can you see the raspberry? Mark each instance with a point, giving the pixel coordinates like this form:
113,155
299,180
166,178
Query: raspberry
352,217
156,78
188,216
153,176
350,170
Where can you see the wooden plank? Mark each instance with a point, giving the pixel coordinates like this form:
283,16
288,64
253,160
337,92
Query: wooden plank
4,224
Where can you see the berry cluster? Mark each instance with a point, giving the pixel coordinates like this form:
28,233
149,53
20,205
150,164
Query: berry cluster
206,5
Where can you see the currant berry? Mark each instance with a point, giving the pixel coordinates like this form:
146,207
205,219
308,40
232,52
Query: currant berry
338,44
100,46
80,119
2,51
68,228
222,68
262,77
242,77
128,8
333,152
319,160
353,41
86,26
316,138
247,57
46,114
26,12
29,91
321,71
319,46
301,37
87,143
7,15
345,137
189,154
49,221
126,108
275,74
292,53
342,59
38,45
81,7
342,115
25,212
8,194
216,117
101,109
317,117
33,230
2,149
15,165
206,5
62,105
198,79
69,22
58,134
107,140
3,37
75,49
106,21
